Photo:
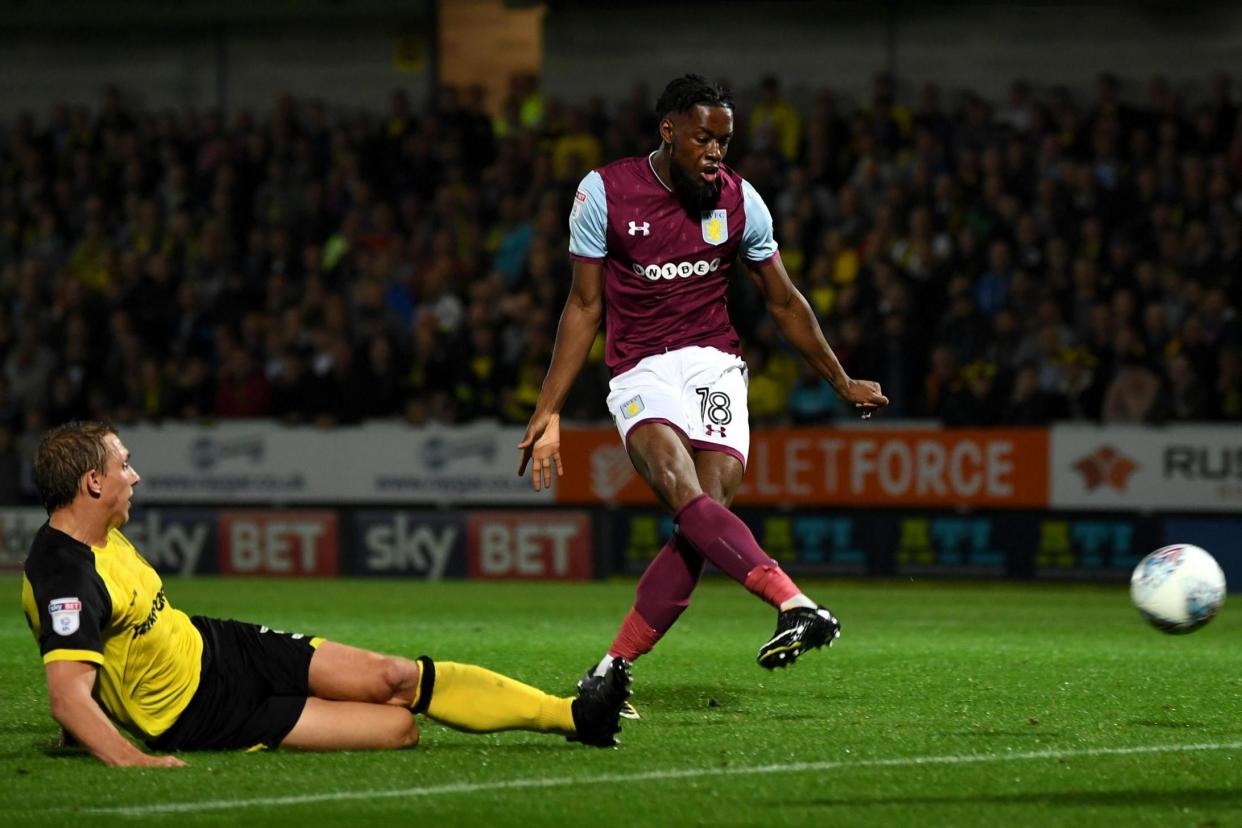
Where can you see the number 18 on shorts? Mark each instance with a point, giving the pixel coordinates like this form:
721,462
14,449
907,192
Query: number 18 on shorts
700,392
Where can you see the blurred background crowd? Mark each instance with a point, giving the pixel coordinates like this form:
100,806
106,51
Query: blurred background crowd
1045,257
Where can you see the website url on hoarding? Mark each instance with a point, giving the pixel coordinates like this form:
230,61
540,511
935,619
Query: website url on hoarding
451,485
217,484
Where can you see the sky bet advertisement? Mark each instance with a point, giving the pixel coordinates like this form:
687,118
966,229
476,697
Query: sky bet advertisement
427,544
568,544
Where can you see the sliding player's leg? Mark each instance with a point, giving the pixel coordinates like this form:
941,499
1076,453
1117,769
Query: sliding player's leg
344,725
464,696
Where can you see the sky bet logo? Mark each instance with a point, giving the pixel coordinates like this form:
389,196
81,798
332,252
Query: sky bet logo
408,543
173,540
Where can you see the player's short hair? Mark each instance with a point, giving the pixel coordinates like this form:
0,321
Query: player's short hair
65,454
684,93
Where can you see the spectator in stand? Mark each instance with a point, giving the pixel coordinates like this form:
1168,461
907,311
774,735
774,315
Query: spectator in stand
812,401
10,469
577,150
1027,405
978,399
29,366
128,236
1134,394
775,124
243,390
295,390
1188,394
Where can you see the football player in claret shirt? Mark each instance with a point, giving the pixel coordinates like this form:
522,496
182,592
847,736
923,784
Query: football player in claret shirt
654,239
116,651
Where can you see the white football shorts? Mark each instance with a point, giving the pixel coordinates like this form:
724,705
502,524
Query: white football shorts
700,392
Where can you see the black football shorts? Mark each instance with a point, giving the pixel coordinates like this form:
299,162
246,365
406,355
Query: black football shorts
251,692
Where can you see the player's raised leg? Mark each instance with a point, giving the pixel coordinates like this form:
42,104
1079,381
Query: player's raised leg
665,588
662,458
663,594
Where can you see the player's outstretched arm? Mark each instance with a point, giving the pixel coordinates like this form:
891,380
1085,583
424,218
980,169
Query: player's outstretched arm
574,335
797,322
69,686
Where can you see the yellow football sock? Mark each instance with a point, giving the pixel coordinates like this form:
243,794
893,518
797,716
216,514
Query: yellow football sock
474,699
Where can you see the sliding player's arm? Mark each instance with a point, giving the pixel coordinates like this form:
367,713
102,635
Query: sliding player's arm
69,687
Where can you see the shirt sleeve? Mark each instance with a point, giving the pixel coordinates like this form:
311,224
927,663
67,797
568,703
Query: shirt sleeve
588,220
758,245
72,605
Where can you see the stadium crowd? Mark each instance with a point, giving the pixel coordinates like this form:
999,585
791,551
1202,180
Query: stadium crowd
1048,256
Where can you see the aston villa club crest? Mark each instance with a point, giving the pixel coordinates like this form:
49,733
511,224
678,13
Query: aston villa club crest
716,226
632,408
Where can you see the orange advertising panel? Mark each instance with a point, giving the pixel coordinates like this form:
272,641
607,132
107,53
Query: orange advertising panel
824,466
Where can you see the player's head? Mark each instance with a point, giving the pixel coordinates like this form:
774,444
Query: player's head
85,462
696,124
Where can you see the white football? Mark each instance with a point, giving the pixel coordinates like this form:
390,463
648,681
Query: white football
1178,588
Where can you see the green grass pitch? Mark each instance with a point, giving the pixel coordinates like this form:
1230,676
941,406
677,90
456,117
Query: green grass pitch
942,704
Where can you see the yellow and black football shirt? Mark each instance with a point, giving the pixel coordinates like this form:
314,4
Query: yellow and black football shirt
107,606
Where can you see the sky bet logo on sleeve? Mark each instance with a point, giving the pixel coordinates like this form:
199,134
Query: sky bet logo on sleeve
66,615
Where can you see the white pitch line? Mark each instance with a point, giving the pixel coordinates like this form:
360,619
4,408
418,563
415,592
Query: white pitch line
647,776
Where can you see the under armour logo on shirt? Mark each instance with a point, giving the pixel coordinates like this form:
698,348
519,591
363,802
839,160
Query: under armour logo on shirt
636,228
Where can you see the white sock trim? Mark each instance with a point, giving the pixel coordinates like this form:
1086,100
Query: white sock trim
799,600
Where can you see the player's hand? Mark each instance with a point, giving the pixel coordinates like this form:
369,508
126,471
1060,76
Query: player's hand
542,443
145,760
865,395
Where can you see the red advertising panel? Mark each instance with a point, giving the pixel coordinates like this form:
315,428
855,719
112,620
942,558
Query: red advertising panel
858,467
538,545
279,543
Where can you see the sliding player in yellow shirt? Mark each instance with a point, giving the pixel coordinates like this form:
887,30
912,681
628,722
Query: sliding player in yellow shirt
118,653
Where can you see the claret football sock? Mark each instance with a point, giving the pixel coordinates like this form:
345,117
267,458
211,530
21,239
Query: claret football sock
662,596
664,589
477,700
771,584
722,538
636,637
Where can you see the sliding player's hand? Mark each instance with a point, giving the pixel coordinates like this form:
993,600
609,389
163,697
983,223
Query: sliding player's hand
149,761
542,443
